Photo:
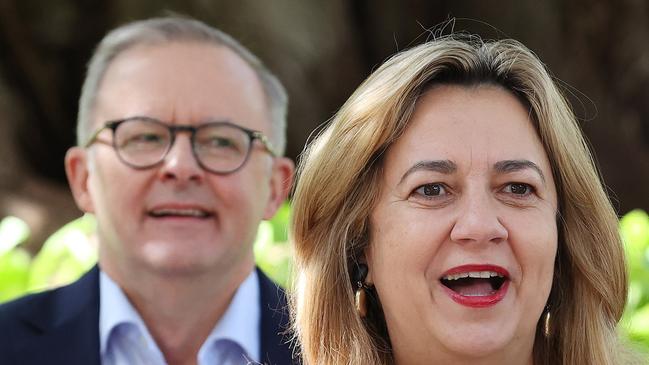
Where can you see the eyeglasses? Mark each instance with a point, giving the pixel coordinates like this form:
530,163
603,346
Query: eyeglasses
219,147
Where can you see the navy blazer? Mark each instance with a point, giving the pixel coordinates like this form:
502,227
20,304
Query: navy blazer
61,326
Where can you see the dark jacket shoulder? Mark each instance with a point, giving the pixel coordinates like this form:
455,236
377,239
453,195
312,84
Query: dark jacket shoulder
55,326
276,345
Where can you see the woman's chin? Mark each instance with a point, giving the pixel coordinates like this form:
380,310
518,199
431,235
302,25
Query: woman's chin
498,339
481,345
475,337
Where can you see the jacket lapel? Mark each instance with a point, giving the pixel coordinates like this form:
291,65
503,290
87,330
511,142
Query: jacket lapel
275,339
64,324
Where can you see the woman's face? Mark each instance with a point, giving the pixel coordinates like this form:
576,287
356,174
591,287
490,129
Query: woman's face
464,236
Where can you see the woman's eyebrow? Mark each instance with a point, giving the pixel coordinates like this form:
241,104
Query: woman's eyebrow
507,166
442,166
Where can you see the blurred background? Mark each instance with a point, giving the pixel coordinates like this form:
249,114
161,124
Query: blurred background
321,50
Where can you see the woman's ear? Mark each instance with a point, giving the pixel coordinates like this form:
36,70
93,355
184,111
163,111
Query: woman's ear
366,258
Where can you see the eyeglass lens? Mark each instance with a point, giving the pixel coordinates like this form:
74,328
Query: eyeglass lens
218,147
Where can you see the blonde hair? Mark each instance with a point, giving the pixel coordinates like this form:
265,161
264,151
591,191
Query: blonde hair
339,178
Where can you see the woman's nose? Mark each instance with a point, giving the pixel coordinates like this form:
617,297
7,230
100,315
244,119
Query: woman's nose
478,221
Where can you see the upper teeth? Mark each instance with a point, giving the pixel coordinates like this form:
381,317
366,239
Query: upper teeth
473,274
184,212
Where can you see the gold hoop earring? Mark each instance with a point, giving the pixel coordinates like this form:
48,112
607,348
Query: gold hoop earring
360,296
546,323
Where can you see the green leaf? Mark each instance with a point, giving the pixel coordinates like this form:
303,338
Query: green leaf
13,231
65,256
637,326
14,274
634,228
280,223
272,251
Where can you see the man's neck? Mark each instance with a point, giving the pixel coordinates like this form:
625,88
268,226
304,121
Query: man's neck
180,311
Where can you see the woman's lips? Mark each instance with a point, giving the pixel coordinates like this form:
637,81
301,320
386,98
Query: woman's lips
477,286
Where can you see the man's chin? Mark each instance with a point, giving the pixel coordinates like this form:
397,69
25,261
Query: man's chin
175,259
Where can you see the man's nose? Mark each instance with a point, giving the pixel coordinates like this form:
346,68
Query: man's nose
180,164
478,221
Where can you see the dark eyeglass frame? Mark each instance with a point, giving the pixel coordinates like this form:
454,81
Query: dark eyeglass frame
173,130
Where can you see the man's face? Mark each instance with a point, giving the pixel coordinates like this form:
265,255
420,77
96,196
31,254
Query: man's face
214,218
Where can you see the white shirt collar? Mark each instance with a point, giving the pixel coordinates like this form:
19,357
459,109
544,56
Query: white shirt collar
240,322
115,309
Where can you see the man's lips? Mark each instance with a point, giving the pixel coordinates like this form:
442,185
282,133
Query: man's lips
476,285
179,211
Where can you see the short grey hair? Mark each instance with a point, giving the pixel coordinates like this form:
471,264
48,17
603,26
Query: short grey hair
169,29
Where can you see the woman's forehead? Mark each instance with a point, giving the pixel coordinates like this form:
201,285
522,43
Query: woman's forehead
468,125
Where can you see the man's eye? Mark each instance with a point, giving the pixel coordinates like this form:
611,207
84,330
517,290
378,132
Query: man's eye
431,190
148,138
216,142
220,142
521,189
144,138
220,145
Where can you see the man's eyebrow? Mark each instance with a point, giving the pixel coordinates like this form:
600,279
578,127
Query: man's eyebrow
441,166
507,166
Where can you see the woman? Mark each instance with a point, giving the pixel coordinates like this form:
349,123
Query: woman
451,213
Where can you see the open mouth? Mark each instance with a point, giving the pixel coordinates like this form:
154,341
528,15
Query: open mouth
179,213
476,285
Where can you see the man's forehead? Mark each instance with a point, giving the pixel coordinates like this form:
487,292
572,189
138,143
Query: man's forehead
192,81
177,59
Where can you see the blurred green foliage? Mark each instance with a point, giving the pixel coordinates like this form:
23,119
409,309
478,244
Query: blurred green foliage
634,227
14,260
71,251
273,253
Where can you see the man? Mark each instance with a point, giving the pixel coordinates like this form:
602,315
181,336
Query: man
180,136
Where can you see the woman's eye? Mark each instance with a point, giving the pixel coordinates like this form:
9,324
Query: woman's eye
431,190
520,189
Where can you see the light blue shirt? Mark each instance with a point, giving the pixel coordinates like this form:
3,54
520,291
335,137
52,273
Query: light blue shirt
124,338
